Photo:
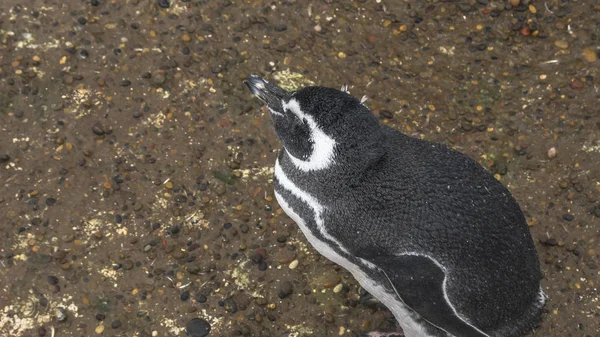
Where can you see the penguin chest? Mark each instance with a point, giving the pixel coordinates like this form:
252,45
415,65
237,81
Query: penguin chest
307,212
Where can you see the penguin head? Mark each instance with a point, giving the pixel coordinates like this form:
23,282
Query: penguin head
317,126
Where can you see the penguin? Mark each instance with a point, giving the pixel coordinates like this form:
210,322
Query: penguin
423,228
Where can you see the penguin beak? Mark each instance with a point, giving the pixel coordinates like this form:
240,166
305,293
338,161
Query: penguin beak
270,94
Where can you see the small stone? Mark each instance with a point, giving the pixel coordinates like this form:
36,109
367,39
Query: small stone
338,288
514,3
98,130
197,327
568,217
285,289
230,306
525,31
280,27
125,83
115,324
201,299
163,3
590,55
158,79
99,329
562,44
127,264
4,158
550,242
552,153
169,185
186,38
293,264
184,296
50,201
386,114
137,114
60,314
576,85
244,228
52,279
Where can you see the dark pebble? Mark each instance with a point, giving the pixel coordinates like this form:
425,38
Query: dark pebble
386,114
230,306
285,289
4,158
197,327
550,242
465,7
125,83
50,201
52,279
137,114
127,264
163,3
262,266
201,299
244,228
280,27
98,130
82,20
227,225
100,317
568,217
115,324
180,198
185,296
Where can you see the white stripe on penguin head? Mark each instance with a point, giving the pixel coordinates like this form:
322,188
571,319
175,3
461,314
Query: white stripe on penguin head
323,145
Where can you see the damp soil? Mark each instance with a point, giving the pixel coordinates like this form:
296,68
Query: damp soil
136,170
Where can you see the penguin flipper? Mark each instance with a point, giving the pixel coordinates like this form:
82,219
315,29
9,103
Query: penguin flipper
420,282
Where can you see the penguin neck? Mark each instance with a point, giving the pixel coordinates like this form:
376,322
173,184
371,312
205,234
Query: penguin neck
342,171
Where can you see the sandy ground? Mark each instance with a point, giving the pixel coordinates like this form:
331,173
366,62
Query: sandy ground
135,168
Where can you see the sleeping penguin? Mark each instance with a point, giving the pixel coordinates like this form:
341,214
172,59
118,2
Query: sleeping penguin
423,228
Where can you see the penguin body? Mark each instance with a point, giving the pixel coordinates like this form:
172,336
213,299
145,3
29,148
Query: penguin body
423,228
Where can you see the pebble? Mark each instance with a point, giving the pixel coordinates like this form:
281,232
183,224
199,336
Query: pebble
115,324
125,83
338,288
185,296
285,289
590,55
293,264
576,85
280,27
157,79
562,44
137,114
60,314
197,327
163,3
514,3
4,158
552,153
50,201
98,130
99,329
568,217
52,279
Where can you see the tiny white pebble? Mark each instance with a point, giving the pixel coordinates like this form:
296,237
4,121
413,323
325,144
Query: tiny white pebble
154,333
338,288
293,264
552,152
318,28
